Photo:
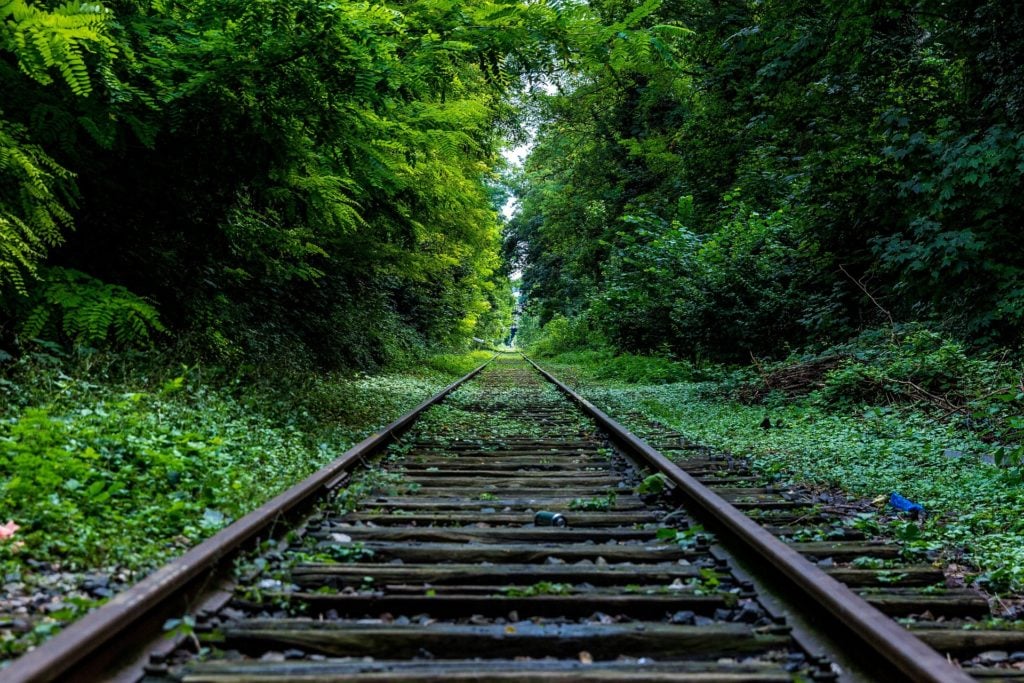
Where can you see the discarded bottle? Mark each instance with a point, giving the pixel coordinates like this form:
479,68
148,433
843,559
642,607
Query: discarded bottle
544,518
904,505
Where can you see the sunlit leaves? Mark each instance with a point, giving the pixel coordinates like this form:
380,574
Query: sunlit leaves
297,154
34,207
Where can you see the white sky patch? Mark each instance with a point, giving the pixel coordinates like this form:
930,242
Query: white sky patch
515,156
509,208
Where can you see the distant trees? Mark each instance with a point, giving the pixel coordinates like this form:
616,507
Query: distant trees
740,187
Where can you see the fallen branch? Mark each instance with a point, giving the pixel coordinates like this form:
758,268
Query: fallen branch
921,393
792,380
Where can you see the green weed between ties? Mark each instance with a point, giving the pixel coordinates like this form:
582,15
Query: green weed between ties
595,504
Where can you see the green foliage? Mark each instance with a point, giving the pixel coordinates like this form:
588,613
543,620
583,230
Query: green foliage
627,367
561,334
654,484
911,364
44,41
105,464
595,504
278,178
457,364
961,188
71,305
876,185
539,588
346,552
1009,433
371,229
736,288
685,538
867,451
866,562
366,483
904,363
31,215
129,472
34,201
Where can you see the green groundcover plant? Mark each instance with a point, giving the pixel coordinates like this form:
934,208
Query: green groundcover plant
948,463
102,471
109,468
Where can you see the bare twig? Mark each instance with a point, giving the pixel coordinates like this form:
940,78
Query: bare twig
760,371
921,392
863,288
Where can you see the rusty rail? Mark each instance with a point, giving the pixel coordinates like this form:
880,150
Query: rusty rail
903,650
93,642
99,630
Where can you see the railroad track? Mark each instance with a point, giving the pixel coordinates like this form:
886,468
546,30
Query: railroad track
446,560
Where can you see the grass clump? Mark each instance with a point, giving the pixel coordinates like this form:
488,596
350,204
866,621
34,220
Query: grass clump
457,364
627,367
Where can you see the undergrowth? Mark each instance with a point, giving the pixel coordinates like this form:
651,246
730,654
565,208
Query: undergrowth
912,413
108,461
626,367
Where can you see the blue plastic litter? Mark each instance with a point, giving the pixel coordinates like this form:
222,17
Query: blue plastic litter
904,505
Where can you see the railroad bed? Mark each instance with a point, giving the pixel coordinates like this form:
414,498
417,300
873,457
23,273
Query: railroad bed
428,565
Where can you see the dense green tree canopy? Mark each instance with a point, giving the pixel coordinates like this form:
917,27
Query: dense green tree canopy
323,178
750,189
265,174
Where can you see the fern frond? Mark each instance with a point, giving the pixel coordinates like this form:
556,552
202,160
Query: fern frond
31,217
83,310
43,40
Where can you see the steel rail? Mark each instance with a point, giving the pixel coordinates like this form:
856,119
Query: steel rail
899,647
57,658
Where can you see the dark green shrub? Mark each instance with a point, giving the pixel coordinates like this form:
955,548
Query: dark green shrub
561,335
